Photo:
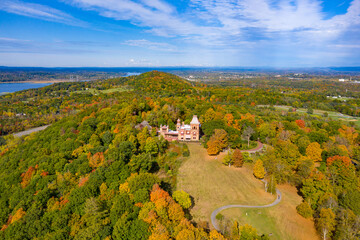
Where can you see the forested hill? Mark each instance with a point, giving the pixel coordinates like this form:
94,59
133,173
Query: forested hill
160,83
92,175
37,107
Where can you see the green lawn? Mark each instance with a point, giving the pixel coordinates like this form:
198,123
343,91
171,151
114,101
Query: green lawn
212,185
110,90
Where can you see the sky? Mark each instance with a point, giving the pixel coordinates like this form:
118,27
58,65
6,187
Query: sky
204,33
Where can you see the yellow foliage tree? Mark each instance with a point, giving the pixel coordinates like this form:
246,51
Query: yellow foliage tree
313,151
18,215
212,147
215,235
185,234
343,150
259,170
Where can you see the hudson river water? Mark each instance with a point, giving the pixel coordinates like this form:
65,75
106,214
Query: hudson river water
14,87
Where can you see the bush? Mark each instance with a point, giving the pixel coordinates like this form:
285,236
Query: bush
186,152
305,210
183,199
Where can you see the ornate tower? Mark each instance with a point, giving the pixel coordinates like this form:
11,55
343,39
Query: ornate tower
178,125
195,128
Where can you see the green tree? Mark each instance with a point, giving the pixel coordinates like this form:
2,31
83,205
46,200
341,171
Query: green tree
227,160
142,162
94,220
271,185
151,146
314,188
142,137
182,198
348,226
305,210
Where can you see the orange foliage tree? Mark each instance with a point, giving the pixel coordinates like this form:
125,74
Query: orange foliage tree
300,123
237,158
18,215
217,142
96,160
229,119
349,133
26,177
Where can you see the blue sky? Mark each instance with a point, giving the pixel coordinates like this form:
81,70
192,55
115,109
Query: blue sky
125,33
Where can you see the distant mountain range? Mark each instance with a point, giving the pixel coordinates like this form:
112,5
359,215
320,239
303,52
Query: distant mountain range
313,70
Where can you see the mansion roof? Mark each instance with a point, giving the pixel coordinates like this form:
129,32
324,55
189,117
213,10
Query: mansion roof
195,120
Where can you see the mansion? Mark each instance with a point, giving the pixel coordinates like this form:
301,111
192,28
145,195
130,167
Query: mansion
183,131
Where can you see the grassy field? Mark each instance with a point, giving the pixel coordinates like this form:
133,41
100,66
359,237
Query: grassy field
213,185
281,221
110,90
331,114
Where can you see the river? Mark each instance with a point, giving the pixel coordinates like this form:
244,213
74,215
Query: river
14,87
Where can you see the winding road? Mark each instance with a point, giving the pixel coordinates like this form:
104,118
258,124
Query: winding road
27,132
259,147
216,211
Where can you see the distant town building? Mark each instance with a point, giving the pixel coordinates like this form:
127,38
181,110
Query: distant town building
184,132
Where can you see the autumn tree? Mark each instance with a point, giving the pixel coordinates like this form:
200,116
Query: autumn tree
237,158
259,170
313,151
229,119
300,123
349,133
18,215
217,142
326,223
96,160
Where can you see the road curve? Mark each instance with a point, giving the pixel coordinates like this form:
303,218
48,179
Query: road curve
216,211
258,148
27,132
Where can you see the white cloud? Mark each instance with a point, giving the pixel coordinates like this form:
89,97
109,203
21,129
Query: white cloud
227,22
39,11
159,46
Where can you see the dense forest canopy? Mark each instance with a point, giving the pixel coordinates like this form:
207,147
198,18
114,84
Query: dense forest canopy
93,175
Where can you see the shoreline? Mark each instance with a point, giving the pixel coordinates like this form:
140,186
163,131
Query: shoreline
38,81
